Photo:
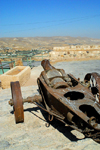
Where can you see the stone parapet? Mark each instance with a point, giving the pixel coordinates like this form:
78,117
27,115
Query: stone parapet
77,47
74,54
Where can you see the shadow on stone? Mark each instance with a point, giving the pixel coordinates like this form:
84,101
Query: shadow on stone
4,144
65,130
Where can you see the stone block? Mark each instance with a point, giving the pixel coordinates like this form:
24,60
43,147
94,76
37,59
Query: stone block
18,73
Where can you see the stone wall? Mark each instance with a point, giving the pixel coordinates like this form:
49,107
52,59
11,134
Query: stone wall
78,47
75,52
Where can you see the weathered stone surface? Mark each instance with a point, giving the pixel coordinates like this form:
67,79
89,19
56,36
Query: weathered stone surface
4,144
18,73
67,53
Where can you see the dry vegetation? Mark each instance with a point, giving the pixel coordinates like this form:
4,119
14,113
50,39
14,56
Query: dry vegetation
28,43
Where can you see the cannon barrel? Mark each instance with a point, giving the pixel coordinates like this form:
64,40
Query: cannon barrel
46,65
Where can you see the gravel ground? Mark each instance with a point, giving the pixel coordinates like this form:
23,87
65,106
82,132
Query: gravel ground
33,134
80,68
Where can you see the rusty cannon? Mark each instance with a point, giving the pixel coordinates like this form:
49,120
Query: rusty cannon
64,98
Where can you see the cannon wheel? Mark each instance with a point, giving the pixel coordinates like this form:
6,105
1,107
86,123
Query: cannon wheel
18,102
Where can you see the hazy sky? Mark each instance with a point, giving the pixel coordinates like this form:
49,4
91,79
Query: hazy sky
30,18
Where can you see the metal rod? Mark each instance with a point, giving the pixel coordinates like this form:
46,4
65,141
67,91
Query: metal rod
36,98
1,67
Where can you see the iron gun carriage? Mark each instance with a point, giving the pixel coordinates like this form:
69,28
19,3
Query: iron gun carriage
63,97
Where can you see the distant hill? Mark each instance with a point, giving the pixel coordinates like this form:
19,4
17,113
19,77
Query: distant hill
28,43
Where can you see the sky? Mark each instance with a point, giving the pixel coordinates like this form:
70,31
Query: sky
46,18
